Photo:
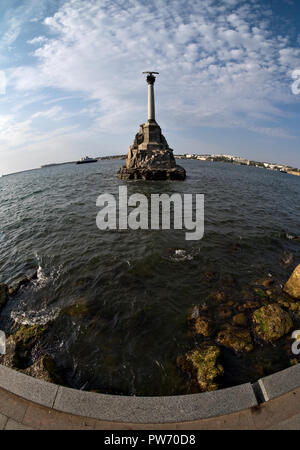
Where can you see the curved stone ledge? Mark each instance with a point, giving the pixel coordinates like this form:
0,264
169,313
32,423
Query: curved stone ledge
147,410
279,383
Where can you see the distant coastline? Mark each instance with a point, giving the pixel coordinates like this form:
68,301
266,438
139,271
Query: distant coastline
242,162
204,157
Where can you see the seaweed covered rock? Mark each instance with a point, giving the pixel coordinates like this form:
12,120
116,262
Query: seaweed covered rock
240,320
25,339
27,336
200,321
3,295
235,338
292,287
201,364
271,322
45,369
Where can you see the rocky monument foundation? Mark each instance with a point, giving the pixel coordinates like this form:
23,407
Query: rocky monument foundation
150,157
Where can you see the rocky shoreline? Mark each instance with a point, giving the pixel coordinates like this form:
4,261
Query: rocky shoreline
269,312
266,318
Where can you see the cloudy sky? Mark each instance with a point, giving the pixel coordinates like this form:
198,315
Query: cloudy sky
71,78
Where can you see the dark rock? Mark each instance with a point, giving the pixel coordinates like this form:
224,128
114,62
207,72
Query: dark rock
218,296
78,309
3,295
26,338
287,259
224,312
150,158
240,320
13,290
177,173
45,369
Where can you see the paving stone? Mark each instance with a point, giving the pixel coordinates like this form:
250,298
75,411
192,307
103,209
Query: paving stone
13,425
12,406
276,411
3,420
32,389
49,419
293,423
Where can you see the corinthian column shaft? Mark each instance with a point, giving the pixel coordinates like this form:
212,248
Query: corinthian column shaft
151,103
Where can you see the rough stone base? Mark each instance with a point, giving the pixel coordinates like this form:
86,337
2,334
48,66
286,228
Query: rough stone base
176,173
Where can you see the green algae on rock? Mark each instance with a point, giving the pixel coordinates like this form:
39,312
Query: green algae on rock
292,287
235,338
19,345
200,320
25,338
202,365
271,322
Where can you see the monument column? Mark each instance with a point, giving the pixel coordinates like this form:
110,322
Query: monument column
150,157
151,102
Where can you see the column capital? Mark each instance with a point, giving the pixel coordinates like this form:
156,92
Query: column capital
150,77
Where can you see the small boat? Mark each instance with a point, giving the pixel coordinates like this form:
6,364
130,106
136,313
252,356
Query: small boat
86,160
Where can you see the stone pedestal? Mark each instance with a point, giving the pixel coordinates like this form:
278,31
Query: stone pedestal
150,158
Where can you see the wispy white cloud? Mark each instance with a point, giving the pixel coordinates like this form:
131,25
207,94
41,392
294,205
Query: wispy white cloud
37,40
2,82
221,65
217,60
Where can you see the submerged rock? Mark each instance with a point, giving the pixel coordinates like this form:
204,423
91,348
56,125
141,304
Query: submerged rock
211,277
271,322
251,304
200,321
289,304
3,295
292,287
240,320
202,366
287,259
13,290
235,338
266,282
218,296
45,369
26,338
78,309
19,346
224,312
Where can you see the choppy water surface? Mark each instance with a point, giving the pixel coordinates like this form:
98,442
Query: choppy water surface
131,323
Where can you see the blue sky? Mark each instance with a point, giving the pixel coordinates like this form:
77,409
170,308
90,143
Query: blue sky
71,78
